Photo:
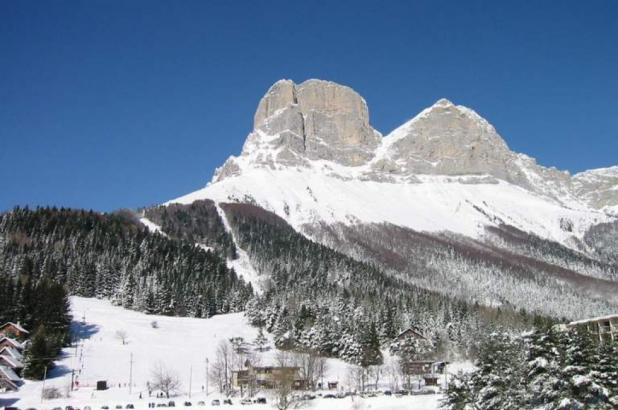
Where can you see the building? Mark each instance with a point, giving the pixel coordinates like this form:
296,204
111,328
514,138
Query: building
266,377
9,381
604,329
8,342
14,331
14,364
12,352
410,332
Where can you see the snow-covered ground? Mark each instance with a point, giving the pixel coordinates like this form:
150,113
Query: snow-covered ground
181,344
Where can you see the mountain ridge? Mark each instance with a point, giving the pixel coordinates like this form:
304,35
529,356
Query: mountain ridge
323,123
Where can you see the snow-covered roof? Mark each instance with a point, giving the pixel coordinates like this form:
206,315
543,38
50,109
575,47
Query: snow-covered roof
11,351
594,319
11,362
413,330
15,325
8,374
13,342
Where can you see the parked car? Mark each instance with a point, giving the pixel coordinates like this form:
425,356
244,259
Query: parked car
118,407
201,403
261,400
128,406
171,404
87,408
227,401
215,402
245,402
330,396
69,408
161,405
102,408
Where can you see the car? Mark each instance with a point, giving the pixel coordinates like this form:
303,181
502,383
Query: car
308,397
11,408
201,403
261,400
161,405
388,393
30,408
227,401
187,404
57,408
128,406
171,404
118,407
104,407
215,402
69,408
245,402
329,396
87,408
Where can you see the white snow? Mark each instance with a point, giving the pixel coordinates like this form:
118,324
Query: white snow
438,203
242,264
152,227
182,344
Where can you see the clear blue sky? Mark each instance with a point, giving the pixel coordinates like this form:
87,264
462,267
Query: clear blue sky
110,104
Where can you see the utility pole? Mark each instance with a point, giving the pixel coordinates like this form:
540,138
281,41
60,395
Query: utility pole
206,377
131,374
190,379
44,378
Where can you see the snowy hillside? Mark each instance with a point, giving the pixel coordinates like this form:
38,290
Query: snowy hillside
438,203
181,344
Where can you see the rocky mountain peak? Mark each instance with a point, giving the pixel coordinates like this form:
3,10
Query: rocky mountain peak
314,120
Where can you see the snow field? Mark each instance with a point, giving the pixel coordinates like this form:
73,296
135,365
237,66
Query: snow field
181,344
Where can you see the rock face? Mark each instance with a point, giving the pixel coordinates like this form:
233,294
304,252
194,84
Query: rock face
315,120
317,123
599,187
446,139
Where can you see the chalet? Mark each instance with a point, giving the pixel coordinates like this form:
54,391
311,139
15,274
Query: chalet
266,376
410,332
8,342
16,365
604,329
13,330
9,381
12,352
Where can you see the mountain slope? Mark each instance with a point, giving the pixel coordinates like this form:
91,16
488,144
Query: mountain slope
445,177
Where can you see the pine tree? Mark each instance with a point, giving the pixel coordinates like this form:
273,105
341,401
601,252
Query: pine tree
543,367
260,341
39,356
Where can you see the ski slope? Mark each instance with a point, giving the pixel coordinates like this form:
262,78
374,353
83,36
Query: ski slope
181,344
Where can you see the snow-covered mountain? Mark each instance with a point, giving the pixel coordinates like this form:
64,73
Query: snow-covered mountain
313,157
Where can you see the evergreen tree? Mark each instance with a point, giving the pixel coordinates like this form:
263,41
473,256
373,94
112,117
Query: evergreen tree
39,356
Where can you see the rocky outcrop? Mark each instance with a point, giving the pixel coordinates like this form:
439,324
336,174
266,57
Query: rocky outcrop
315,120
446,139
599,187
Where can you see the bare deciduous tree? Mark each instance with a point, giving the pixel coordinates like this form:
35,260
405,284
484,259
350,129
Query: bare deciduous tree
221,369
284,383
122,335
164,379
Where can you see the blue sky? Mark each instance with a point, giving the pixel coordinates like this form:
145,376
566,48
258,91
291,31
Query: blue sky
112,104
